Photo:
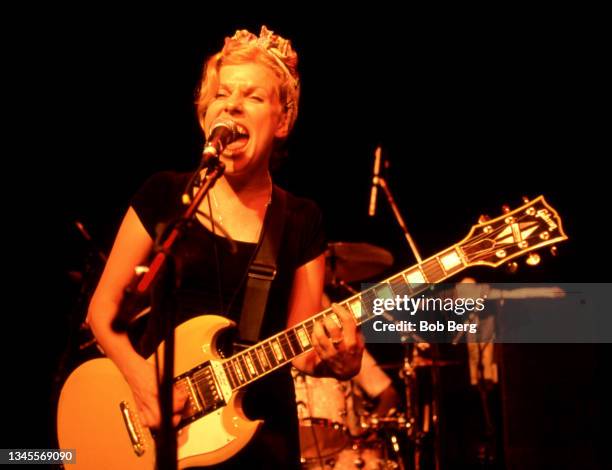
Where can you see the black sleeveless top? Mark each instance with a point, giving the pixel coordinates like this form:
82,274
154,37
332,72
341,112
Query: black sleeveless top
211,280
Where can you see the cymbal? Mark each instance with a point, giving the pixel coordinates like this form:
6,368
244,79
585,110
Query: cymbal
350,262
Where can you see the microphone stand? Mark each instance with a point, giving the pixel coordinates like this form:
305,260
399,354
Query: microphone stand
166,445
380,181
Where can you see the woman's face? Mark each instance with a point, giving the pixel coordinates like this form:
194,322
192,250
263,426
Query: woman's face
248,95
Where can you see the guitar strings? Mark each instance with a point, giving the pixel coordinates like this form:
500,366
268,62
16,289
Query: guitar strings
268,350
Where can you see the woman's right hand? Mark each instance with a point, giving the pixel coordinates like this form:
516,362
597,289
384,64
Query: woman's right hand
141,377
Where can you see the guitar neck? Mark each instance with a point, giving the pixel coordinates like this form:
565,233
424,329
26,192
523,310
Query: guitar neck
273,353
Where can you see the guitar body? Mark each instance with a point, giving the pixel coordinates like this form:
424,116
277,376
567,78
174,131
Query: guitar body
97,413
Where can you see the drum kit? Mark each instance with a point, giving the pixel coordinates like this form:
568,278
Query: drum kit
339,428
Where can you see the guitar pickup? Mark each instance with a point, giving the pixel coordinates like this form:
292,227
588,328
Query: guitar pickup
205,393
194,399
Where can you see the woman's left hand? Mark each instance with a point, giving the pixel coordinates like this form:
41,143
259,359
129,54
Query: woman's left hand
341,347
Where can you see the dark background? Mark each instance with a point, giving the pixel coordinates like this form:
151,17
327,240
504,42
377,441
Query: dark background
473,111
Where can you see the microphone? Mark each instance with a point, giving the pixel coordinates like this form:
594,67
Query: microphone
222,133
374,191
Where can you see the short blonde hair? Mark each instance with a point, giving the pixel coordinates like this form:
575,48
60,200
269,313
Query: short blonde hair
244,47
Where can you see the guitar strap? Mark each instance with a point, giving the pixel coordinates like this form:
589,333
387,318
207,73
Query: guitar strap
262,270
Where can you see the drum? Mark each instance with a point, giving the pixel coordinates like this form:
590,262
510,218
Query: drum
369,456
321,410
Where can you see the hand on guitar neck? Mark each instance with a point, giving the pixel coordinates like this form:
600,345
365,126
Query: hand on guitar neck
337,347
340,350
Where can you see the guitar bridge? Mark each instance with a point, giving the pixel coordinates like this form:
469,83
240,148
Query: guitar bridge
133,428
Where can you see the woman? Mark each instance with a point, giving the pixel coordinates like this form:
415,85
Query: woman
253,82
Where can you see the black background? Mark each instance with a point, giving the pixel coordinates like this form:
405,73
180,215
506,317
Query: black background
473,110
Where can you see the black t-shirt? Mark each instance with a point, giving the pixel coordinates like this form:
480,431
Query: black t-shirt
212,279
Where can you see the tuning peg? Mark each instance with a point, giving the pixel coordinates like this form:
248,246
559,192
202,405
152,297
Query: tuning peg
553,250
505,208
512,267
483,218
533,259
525,199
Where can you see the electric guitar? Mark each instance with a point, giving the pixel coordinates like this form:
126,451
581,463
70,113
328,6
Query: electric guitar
97,414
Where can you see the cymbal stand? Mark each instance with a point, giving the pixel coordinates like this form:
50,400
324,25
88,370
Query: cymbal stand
414,432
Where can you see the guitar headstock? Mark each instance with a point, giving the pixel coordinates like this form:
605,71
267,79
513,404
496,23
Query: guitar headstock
494,242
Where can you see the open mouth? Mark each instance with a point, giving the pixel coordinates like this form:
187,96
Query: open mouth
242,138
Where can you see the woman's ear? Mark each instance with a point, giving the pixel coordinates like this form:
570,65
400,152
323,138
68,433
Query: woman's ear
282,129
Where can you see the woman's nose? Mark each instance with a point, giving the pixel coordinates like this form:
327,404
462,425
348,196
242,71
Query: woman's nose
233,103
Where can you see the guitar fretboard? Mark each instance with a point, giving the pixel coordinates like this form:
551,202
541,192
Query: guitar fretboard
273,353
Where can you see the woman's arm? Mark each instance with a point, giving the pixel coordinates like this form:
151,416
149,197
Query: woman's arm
130,250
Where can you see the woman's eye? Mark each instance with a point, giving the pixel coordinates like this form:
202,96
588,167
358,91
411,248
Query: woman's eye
257,98
221,94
